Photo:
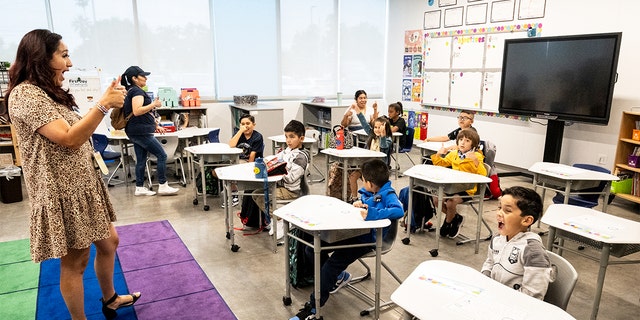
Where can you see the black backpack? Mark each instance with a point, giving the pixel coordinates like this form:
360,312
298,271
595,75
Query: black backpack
300,266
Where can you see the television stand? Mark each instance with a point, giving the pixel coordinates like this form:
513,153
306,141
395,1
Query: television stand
553,141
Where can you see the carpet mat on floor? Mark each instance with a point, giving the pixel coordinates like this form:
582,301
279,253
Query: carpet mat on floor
151,258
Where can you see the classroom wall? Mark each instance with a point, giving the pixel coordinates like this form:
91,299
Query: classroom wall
521,143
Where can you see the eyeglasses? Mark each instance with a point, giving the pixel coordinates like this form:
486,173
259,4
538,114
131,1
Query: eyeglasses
465,118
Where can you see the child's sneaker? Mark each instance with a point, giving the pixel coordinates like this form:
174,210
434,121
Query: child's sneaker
306,313
456,225
165,190
444,229
235,200
280,225
343,279
143,191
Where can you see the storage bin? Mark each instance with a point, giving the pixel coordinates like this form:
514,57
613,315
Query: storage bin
622,186
632,161
10,185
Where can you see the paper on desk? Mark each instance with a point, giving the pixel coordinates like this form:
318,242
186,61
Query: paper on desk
562,170
467,301
594,226
303,217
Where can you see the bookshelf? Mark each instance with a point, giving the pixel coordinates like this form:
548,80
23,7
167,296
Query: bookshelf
625,147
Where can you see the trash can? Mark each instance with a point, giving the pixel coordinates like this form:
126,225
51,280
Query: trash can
10,185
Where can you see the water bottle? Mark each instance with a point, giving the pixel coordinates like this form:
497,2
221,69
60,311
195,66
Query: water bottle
260,169
340,139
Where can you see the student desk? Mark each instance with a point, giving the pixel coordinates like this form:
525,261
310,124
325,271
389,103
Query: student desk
429,148
350,159
454,291
281,141
123,141
396,144
444,180
243,176
209,155
569,180
613,236
328,218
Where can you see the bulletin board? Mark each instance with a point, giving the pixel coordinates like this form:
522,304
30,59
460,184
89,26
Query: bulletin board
462,68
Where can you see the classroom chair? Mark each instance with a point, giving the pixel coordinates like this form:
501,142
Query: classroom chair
406,148
100,142
387,244
170,146
471,203
560,290
315,134
214,136
585,200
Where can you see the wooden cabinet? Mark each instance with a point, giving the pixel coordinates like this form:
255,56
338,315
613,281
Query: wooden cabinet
626,146
9,145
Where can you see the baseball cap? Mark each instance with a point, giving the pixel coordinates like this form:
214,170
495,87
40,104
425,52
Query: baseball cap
135,71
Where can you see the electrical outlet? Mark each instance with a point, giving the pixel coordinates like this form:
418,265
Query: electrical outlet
602,158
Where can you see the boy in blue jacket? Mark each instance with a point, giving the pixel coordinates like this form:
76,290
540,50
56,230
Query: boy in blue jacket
378,200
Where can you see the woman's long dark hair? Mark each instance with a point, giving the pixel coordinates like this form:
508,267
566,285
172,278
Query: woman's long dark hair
32,64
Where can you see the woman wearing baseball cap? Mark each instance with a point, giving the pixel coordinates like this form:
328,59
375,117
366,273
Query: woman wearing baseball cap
140,129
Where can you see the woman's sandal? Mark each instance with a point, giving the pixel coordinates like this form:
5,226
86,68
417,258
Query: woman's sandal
111,313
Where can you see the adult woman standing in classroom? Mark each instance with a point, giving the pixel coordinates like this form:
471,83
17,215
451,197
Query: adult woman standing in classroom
140,129
70,204
350,118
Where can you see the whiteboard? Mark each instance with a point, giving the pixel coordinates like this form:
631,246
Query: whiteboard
436,88
437,53
468,52
465,89
462,69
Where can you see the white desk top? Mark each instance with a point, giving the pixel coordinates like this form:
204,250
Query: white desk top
213,148
361,132
439,289
592,224
282,139
435,146
354,152
242,172
317,212
442,175
565,172
185,133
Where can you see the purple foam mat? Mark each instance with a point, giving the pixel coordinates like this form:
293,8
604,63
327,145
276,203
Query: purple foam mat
156,262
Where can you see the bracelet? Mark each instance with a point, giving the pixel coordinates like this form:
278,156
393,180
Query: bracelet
102,108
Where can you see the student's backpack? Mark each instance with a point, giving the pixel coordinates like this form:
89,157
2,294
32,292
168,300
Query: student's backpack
211,182
422,207
300,266
118,120
334,182
250,213
347,136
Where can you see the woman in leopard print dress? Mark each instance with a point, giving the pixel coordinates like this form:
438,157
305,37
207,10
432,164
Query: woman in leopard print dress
70,205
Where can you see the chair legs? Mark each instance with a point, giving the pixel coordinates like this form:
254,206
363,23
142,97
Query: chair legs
177,160
111,176
363,295
464,239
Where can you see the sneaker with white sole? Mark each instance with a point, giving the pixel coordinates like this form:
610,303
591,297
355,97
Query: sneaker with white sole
343,279
306,313
164,189
235,200
143,191
456,225
280,225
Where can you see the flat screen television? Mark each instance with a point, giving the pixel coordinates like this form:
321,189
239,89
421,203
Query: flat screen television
568,78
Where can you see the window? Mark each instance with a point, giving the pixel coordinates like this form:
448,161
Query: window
273,48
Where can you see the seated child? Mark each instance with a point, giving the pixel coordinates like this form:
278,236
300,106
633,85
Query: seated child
466,158
380,139
397,121
516,257
465,121
293,184
378,201
251,143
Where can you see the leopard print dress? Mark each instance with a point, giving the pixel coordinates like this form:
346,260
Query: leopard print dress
70,205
